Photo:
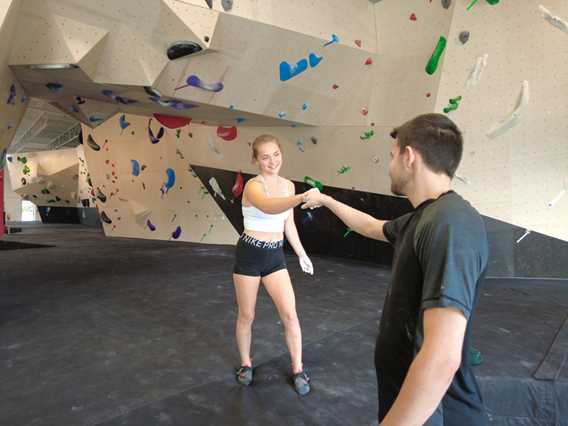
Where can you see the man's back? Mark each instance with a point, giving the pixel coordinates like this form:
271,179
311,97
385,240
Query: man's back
440,259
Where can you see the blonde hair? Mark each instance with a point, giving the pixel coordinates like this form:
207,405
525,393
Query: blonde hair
261,140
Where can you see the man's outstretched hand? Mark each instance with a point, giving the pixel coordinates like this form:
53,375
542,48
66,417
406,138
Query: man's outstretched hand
313,199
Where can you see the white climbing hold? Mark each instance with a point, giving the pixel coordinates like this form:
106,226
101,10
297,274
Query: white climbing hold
555,21
475,75
515,116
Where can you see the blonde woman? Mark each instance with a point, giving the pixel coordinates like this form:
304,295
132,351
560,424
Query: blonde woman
268,203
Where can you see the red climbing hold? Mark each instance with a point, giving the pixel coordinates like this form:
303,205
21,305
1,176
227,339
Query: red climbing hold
413,16
369,61
227,133
335,87
238,186
172,121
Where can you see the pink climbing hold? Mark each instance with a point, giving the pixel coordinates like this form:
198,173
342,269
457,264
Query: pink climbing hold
227,133
364,111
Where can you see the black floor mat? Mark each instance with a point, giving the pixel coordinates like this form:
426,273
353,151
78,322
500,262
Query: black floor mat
14,245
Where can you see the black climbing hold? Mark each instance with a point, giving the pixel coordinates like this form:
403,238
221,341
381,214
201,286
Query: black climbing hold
183,48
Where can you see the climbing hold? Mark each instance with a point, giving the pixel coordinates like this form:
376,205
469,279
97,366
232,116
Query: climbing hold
154,139
413,17
195,81
315,60
176,234
105,218
92,144
288,71
217,191
432,64
313,183
334,39
464,37
54,87
343,170
454,104
475,75
135,167
446,4
367,135
301,145
122,122
514,116
172,121
227,133
227,5
238,186
369,61
554,20
12,96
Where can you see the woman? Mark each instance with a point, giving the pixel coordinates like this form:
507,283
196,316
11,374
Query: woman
268,202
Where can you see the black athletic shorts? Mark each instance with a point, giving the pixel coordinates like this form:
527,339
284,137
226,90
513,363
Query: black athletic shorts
257,258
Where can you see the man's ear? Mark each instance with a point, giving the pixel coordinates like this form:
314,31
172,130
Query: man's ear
409,156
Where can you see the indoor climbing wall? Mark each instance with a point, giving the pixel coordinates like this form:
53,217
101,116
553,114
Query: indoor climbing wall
145,186
13,100
513,85
169,83
51,178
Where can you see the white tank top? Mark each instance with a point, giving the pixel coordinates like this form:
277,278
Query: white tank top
256,220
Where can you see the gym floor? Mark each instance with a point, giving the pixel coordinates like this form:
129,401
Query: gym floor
116,331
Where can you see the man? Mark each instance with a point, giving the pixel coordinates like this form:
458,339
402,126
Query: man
440,257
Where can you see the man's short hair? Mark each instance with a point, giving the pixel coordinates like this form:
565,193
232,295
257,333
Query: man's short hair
436,138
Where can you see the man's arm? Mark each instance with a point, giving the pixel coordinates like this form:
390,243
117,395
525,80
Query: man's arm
360,222
433,369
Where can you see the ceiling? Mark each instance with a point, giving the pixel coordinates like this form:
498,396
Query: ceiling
44,128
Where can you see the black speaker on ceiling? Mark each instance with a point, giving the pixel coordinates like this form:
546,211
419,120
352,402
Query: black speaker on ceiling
183,48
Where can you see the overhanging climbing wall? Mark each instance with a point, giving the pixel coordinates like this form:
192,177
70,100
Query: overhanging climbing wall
329,78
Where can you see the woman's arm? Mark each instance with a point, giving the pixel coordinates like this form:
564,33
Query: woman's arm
254,193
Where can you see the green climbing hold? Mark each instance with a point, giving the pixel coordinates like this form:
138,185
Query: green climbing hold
343,170
454,104
367,135
432,64
313,183
474,357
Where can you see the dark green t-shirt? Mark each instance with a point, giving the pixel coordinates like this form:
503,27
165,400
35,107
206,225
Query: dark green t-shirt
440,258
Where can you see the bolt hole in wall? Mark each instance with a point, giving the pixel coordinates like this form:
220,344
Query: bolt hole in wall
29,212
